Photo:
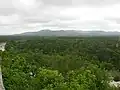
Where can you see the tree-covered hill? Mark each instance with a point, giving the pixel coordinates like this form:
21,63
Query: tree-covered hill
69,33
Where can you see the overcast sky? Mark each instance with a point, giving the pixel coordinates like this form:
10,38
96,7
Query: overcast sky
17,16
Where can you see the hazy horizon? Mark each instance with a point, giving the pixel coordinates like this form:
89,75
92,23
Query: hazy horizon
61,30
18,16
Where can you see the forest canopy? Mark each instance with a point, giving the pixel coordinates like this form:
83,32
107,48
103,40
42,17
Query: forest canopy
61,63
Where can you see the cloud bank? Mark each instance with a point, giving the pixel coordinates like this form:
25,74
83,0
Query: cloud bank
17,16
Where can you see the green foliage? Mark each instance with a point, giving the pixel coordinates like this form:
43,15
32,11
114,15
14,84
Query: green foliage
47,79
60,63
89,78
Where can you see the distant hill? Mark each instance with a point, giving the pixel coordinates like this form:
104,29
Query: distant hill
69,33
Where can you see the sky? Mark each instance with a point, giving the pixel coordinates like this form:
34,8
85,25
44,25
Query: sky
18,16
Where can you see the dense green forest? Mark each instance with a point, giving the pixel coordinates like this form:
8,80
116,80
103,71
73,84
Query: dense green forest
61,63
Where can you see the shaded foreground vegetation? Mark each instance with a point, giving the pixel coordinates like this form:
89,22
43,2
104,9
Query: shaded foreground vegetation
61,63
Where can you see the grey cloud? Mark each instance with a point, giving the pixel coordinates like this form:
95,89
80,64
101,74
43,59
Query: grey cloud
83,25
80,2
6,7
6,4
57,2
47,19
47,14
14,29
64,18
2,25
7,11
55,25
36,21
117,20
